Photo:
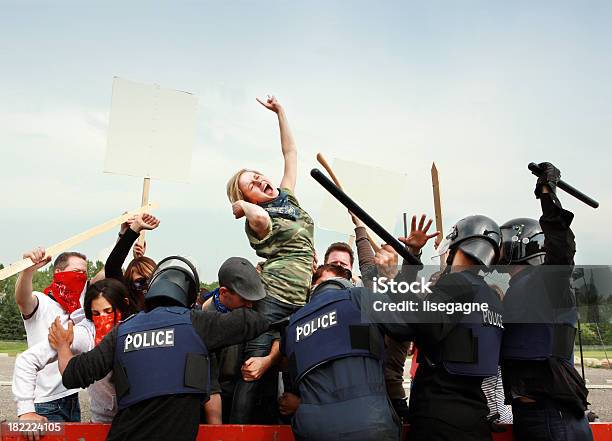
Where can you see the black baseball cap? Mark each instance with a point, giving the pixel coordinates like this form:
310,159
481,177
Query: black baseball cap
239,276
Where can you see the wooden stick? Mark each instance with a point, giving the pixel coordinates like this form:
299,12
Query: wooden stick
60,247
321,159
145,201
435,184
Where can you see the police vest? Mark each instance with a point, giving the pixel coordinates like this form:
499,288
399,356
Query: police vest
536,341
473,346
159,353
327,328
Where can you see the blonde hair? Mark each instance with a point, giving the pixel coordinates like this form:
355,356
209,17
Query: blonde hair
233,190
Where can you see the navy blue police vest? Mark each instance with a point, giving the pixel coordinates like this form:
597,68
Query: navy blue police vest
473,347
536,341
159,353
327,328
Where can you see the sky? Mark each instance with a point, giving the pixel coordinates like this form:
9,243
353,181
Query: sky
480,87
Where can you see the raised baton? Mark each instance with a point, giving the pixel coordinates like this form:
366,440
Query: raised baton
565,187
352,206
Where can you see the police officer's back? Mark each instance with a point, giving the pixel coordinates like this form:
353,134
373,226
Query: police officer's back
159,357
456,350
548,396
335,361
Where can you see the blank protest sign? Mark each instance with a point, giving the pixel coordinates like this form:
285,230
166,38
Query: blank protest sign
151,131
380,192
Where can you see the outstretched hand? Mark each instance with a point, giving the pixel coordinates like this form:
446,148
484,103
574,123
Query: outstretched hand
418,237
271,103
143,221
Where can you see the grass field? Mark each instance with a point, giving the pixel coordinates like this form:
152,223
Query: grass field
13,347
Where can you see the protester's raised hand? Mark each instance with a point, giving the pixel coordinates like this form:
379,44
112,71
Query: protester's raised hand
418,237
139,250
271,103
39,257
237,209
356,221
386,259
143,221
124,226
58,336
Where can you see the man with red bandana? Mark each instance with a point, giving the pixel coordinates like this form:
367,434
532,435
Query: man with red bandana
62,298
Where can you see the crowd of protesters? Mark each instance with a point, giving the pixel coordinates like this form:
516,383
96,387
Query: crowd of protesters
258,374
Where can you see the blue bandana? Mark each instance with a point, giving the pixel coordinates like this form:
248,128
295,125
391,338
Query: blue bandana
220,307
281,207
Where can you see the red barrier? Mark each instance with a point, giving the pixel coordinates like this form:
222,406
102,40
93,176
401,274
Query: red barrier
97,432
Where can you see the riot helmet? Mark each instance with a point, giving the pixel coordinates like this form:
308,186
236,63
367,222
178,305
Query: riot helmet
522,242
477,236
174,278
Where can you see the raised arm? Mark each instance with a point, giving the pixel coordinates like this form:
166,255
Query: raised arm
25,299
127,238
287,142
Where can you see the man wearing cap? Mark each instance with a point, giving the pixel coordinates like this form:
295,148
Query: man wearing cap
160,357
239,286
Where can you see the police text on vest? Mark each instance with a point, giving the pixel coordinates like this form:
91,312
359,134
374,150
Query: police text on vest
323,321
156,338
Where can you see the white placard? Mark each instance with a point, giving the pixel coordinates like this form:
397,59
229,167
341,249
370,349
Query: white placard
151,131
381,193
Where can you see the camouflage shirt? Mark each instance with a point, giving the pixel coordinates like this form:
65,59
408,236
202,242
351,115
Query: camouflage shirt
289,250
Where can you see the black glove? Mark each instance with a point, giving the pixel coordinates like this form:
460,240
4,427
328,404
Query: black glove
550,176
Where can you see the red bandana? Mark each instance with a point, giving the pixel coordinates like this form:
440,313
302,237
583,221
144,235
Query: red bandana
104,324
66,289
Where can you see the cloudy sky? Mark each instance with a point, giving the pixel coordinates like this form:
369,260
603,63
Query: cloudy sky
481,87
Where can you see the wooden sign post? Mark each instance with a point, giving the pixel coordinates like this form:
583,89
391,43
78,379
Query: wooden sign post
151,134
71,242
435,183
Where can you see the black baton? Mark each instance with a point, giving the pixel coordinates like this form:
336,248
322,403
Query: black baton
565,187
352,206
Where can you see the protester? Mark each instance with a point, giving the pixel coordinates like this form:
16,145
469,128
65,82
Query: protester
239,287
548,397
159,357
63,299
341,254
104,306
280,231
140,268
396,352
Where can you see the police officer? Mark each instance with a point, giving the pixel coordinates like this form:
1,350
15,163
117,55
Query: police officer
159,357
457,351
335,365
548,396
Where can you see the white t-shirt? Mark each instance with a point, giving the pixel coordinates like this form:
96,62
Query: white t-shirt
49,385
28,365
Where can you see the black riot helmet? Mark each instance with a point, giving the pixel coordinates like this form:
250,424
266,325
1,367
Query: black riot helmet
477,236
522,242
174,278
